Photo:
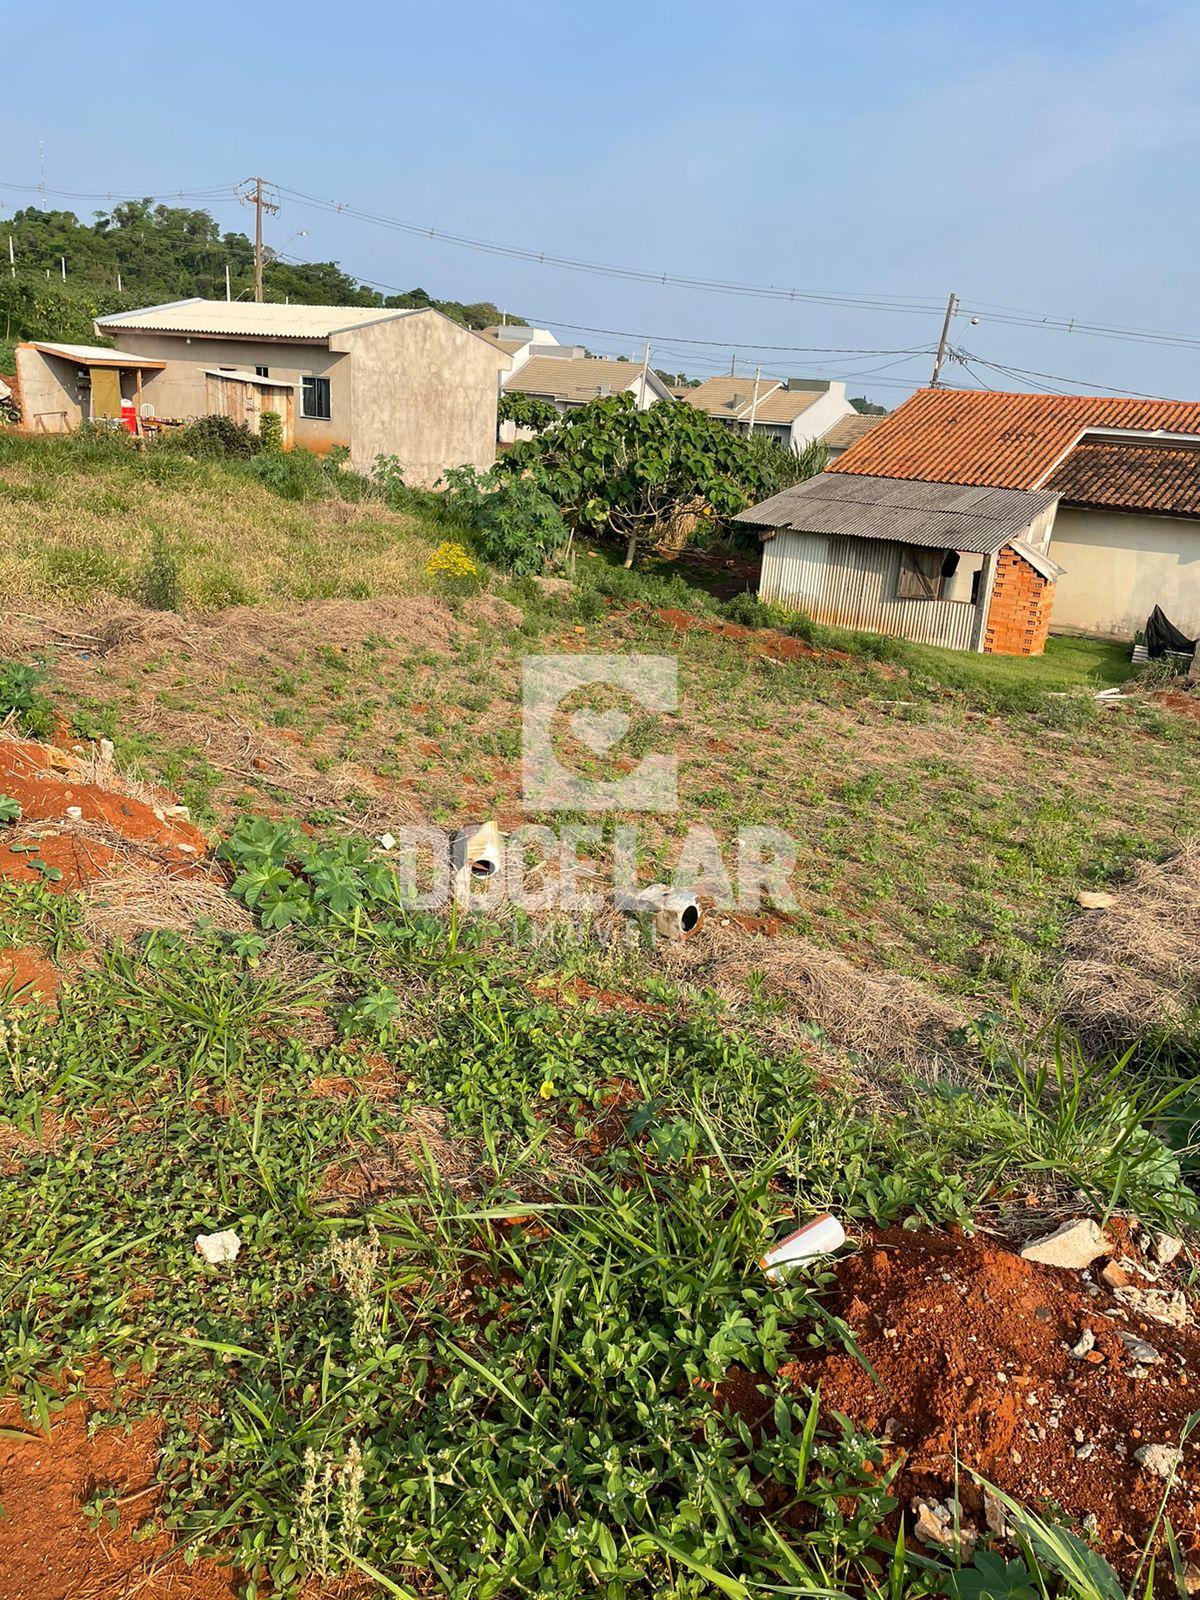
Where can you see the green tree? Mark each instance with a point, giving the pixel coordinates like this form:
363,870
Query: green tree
158,253
527,411
613,469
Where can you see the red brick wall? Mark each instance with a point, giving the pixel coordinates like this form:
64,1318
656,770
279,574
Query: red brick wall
1018,619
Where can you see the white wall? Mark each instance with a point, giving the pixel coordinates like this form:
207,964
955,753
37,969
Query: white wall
1119,566
819,417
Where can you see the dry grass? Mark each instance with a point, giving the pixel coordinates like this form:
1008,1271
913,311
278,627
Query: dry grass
1134,968
879,1016
67,531
137,900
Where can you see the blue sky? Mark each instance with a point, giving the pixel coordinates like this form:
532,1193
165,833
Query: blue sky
1036,156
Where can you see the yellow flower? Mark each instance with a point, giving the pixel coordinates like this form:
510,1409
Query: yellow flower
547,1090
452,561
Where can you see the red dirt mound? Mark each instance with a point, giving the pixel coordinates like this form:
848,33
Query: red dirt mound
973,1350
108,826
758,641
50,1551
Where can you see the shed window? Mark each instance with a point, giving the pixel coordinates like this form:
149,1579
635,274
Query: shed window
262,372
924,573
314,398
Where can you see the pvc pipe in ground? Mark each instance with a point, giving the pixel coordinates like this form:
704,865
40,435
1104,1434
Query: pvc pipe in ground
476,857
674,912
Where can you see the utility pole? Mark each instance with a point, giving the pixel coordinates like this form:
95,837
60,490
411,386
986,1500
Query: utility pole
252,195
119,289
63,263
12,260
943,341
228,294
645,370
733,365
754,402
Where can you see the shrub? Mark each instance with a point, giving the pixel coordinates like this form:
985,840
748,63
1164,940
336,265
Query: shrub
270,432
160,577
514,523
215,438
296,475
21,700
527,411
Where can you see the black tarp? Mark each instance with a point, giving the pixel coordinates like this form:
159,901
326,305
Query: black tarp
1162,635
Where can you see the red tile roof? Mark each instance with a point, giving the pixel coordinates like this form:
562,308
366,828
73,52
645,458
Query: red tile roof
1003,441
1127,476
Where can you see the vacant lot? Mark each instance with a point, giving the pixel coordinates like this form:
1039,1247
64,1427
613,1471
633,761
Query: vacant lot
496,1324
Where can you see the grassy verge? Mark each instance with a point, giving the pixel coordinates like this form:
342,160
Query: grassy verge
499,1251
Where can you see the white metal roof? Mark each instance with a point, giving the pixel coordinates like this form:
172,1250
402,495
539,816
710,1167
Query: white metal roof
248,377
93,355
247,319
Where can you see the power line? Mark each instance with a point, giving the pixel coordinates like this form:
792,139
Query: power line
1030,374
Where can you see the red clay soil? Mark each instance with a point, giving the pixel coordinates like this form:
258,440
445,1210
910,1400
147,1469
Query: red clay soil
49,1551
38,777
27,975
972,1347
1188,704
758,641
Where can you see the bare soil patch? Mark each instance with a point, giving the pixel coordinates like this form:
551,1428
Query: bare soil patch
79,827
50,1551
972,1347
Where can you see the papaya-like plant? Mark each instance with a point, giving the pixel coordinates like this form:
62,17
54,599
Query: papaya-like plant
612,469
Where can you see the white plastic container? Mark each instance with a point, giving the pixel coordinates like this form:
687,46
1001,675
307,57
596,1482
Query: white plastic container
820,1237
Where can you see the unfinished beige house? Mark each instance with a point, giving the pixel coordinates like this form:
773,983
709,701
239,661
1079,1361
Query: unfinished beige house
410,384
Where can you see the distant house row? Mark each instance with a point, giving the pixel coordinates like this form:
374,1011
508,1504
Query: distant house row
984,520
795,411
410,384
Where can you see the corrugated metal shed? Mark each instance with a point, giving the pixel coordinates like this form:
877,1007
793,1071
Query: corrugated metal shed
243,319
852,583
945,516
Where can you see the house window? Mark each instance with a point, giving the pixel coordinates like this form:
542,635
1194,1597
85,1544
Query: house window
262,372
924,573
314,398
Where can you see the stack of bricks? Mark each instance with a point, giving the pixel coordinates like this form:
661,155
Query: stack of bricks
1018,619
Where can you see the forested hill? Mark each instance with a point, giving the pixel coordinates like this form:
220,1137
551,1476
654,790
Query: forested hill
158,253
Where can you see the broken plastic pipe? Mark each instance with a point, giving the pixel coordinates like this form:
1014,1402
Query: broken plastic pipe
674,912
820,1237
478,850
476,857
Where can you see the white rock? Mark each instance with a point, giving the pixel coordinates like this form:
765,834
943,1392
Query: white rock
1160,1305
995,1514
218,1248
1139,1349
1166,1248
1095,899
1161,1459
1075,1245
1087,1342
180,812
75,813
935,1526
386,842
106,750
